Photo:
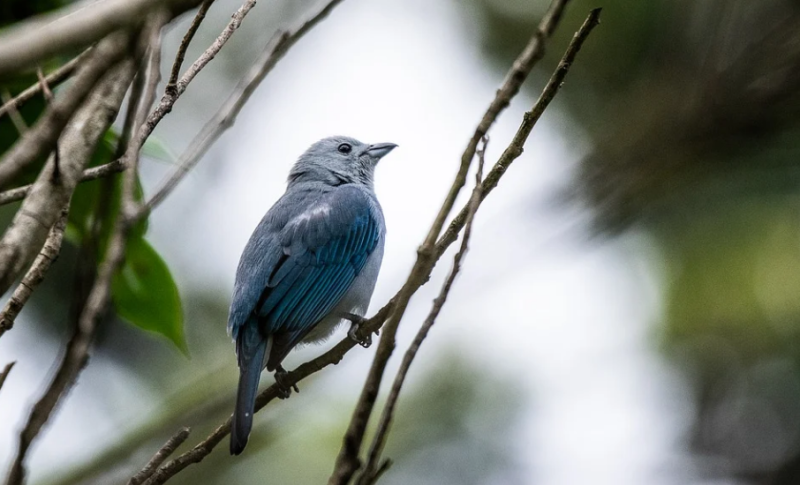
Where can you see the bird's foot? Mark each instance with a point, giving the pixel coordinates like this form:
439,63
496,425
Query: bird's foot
284,389
356,321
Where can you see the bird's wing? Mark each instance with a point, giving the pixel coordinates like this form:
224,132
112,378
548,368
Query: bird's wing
324,249
310,264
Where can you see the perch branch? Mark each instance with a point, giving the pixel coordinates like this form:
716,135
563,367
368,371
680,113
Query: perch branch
162,454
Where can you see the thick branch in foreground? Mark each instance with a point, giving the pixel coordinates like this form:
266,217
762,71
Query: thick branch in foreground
28,230
78,142
5,372
35,274
34,40
331,357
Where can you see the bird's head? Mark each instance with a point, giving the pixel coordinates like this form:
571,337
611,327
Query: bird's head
339,160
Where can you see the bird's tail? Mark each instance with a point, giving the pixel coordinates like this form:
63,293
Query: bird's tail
253,351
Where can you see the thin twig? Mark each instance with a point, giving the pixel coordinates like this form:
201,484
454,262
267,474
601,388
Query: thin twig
79,139
48,96
187,39
5,372
13,113
348,462
331,357
172,95
110,168
35,274
280,43
371,469
53,79
162,454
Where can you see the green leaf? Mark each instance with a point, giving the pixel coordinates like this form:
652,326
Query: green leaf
145,294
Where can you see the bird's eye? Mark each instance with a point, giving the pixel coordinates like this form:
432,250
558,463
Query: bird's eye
345,148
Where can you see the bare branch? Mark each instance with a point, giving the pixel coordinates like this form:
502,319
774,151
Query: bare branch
110,168
31,41
531,117
347,463
5,372
13,113
372,470
187,39
35,274
53,79
78,142
41,138
280,43
162,454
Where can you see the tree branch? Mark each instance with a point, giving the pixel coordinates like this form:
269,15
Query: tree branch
79,140
162,454
347,463
94,173
53,79
372,470
35,274
34,40
5,372
187,39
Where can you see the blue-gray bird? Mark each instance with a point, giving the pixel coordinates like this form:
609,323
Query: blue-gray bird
311,263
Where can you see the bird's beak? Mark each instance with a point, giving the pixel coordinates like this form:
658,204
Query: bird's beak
379,150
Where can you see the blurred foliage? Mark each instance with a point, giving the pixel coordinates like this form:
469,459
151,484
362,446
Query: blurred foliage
693,112
144,292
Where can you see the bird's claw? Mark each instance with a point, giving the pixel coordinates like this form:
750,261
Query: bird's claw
284,389
356,322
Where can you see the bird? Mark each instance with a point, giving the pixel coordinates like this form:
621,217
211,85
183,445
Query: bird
310,265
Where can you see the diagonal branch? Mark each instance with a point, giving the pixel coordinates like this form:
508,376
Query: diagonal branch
187,39
372,470
35,274
347,463
53,79
162,454
110,168
5,372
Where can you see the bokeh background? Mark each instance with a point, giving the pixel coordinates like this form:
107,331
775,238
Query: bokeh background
629,309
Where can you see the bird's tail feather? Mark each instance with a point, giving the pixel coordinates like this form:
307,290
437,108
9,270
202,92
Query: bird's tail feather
253,352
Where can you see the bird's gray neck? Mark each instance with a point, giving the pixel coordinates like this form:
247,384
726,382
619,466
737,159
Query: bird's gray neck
332,178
